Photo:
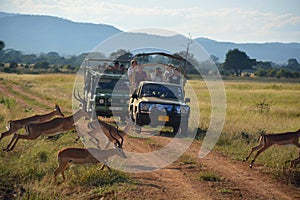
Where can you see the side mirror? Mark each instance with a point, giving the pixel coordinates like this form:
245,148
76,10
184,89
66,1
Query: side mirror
187,100
134,96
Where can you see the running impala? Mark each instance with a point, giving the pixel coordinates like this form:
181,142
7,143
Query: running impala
73,155
53,127
14,125
110,131
265,141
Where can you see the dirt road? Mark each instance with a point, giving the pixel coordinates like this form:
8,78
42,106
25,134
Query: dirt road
182,180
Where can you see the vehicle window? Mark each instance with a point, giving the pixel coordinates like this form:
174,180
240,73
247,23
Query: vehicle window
157,90
112,84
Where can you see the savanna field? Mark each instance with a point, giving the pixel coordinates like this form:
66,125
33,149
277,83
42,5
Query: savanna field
254,107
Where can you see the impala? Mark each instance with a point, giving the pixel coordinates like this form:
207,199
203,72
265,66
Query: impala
295,162
72,155
50,128
14,125
110,131
265,141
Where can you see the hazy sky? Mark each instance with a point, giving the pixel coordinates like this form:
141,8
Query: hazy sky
223,20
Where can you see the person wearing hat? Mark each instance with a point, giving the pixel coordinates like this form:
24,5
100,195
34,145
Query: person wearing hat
131,75
169,72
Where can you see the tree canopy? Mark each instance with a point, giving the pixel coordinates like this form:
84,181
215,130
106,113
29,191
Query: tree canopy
237,61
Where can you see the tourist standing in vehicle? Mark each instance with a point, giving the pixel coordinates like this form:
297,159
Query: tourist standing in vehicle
131,75
140,75
175,77
157,75
169,72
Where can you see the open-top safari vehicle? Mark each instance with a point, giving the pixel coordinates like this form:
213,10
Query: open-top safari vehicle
161,103
107,91
106,88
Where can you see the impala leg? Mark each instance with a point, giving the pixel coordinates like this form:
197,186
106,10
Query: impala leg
61,168
11,142
18,136
102,167
254,149
6,133
295,162
258,152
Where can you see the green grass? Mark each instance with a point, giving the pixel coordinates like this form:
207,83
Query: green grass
209,176
225,191
186,159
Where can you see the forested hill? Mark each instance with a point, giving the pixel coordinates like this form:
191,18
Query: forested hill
36,33
274,51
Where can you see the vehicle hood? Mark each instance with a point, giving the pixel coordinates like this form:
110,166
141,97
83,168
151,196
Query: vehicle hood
160,100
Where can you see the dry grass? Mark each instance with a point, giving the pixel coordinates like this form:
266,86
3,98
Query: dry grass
29,168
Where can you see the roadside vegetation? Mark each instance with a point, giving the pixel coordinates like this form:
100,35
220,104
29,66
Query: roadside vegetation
255,108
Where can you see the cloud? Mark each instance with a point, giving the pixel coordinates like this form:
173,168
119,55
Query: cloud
230,24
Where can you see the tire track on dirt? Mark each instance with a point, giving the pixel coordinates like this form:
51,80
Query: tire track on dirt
250,181
167,183
39,100
4,90
44,102
182,181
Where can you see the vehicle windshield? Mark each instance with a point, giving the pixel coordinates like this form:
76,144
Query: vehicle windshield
113,84
162,91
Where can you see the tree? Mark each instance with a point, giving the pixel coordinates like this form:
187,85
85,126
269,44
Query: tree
41,65
237,61
13,65
2,45
284,73
215,59
293,64
263,65
261,72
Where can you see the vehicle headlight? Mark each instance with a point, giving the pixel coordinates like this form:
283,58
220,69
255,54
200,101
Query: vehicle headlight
184,110
144,106
177,109
109,100
101,101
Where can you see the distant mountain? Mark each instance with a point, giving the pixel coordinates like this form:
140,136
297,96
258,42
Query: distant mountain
36,34
274,51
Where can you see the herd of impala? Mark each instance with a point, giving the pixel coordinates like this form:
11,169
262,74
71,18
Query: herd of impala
46,125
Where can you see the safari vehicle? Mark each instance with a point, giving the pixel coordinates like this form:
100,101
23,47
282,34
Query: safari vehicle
106,89
160,103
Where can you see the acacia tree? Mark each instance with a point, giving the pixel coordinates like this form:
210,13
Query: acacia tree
237,61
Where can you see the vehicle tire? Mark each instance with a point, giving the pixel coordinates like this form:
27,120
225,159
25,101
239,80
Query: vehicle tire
176,129
183,128
138,121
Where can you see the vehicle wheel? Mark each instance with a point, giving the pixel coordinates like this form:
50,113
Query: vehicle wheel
184,128
176,129
138,121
